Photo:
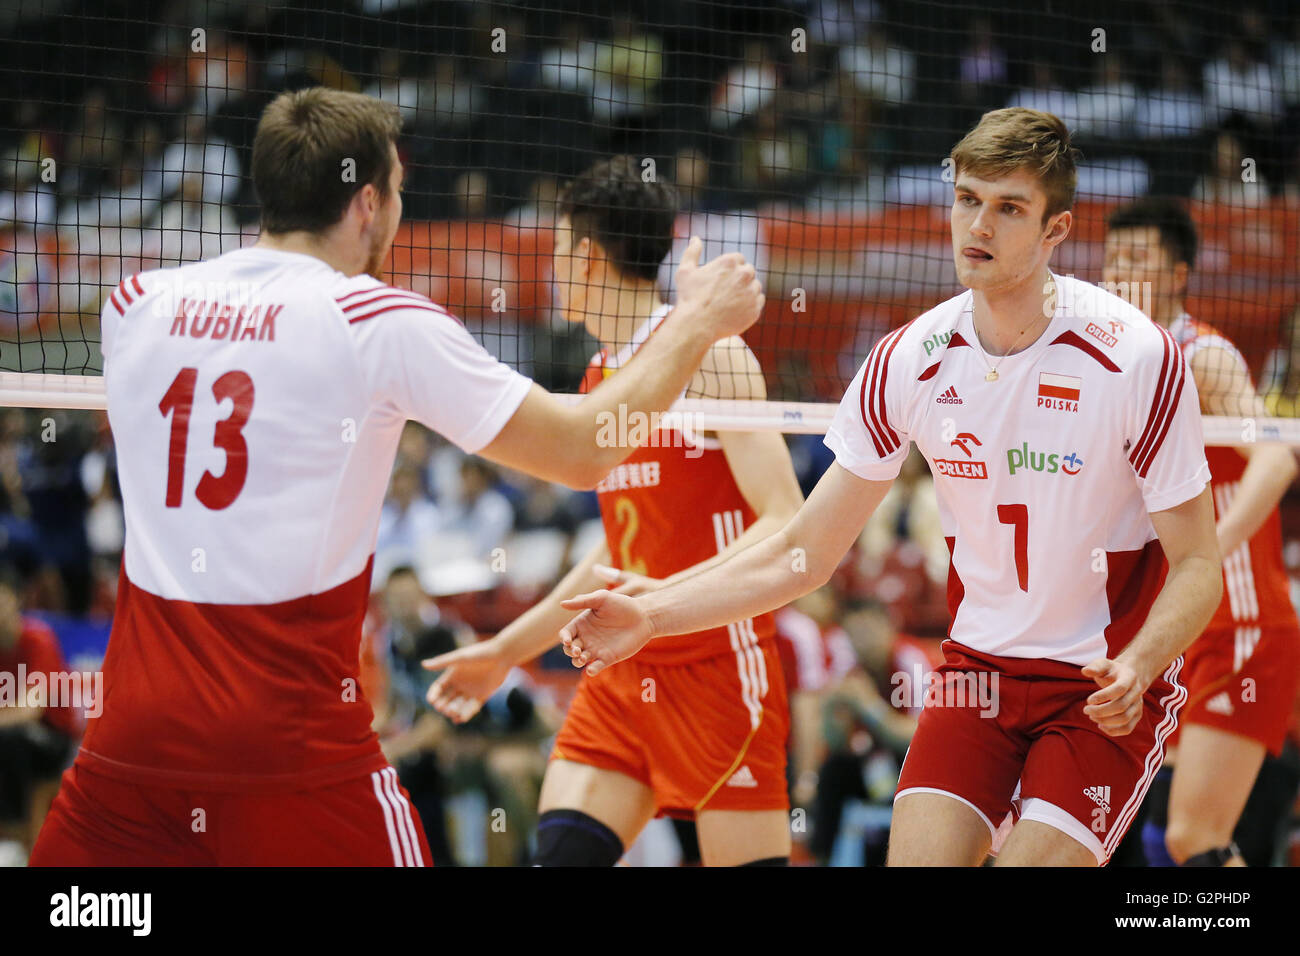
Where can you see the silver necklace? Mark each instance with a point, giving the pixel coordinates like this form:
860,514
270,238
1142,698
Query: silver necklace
992,374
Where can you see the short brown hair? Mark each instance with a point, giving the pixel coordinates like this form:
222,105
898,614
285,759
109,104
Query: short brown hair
299,154
1004,141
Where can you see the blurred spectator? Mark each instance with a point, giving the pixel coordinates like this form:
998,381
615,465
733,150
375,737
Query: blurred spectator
133,193
25,202
452,98
193,228
841,22
49,465
815,654
1286,64
395,684
1225,182
627,71
470,193
408,523
92,148
394,84
570,65
885,71
1280,381
481,516
852,184
774,157
218,75
199,153
1174,109
1108,108
749,85
1045,92
983,65
692,180
869,718
1241,82
36,740
539,209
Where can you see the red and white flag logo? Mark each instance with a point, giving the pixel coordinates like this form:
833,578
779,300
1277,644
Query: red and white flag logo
1064,387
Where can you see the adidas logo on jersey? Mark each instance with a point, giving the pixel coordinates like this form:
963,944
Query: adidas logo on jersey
742,778
1099,796
1220,703
949,397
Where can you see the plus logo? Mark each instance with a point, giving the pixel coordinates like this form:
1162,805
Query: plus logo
1022,458
1071,464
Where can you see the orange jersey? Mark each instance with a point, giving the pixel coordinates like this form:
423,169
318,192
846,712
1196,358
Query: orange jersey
1255,591
671,505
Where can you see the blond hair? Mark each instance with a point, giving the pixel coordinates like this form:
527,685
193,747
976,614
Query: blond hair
1008,140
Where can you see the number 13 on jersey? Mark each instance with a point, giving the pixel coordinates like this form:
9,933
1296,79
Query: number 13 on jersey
214,491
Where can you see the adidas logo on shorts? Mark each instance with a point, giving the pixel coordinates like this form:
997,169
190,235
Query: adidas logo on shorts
742,778
1220,703
1099,796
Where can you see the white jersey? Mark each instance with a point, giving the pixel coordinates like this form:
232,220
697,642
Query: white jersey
1047,475
256,402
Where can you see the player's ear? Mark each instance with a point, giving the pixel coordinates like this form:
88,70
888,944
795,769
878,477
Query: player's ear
586,251
1181,273
1058,227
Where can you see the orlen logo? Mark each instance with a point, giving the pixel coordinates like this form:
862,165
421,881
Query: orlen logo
1022,458
962,469
1101,335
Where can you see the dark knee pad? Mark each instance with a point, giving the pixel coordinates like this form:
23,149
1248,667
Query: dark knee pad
1158,798
769,861
1219,856
1153,846
572,838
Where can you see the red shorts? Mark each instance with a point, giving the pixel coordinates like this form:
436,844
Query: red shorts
1006,734
704,735
100,821
1244,681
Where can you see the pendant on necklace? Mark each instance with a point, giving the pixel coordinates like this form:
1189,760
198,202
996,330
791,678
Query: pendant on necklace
992,376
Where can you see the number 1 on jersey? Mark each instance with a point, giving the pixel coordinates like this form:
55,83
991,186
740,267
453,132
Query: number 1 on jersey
215,492
1018,517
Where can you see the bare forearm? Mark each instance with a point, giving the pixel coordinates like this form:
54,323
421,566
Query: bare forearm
760,529
1268,474
1181,610
657,374
763,577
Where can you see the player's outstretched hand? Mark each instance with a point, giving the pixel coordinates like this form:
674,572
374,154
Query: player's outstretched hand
1117,707
727,290
472,675
627,582
611,628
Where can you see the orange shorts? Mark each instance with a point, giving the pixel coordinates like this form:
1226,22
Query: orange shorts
705,735
1243,681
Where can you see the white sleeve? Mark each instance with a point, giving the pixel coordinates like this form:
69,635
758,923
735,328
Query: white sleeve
867,434
425,364
1166,447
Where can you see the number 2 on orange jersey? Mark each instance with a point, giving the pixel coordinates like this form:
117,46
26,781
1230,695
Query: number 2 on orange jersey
626,515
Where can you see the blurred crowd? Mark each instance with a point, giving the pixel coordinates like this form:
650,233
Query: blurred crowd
828,105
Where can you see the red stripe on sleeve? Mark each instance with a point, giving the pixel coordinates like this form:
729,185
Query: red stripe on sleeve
1162,386
1180,372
